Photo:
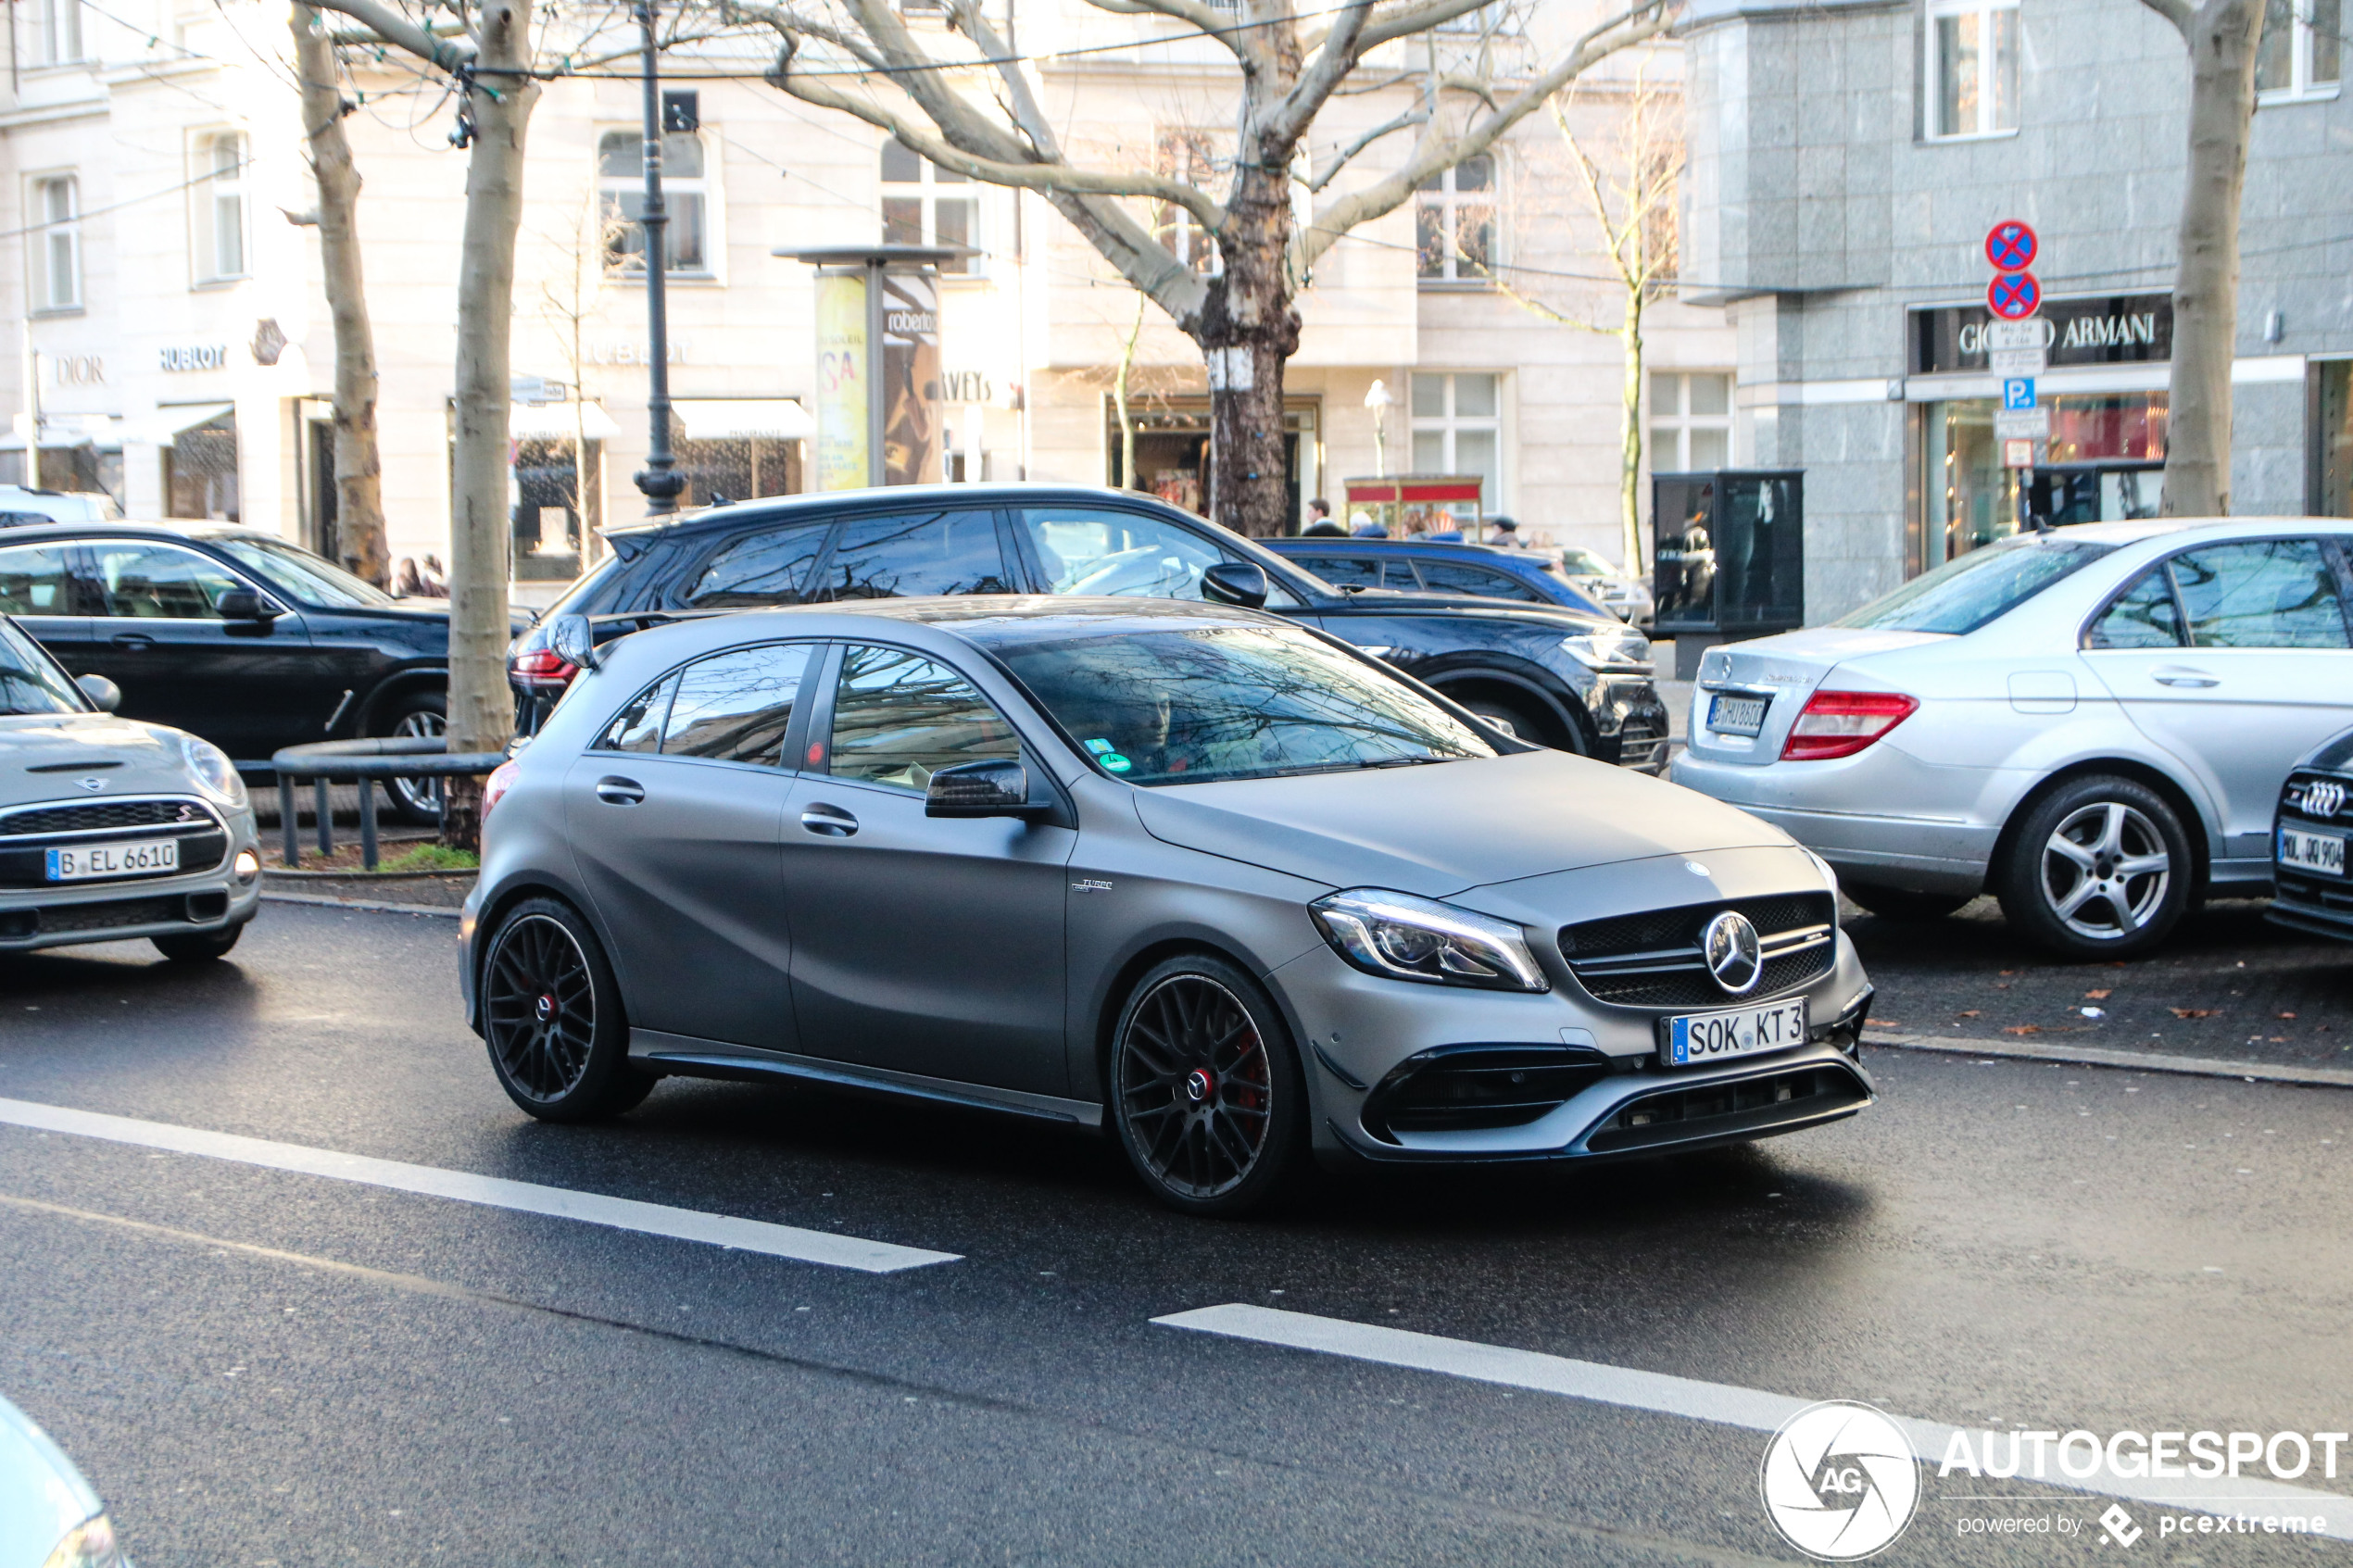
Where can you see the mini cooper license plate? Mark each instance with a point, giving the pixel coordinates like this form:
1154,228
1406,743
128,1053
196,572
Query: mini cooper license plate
1715,1036
2323,852
1730,715
88,861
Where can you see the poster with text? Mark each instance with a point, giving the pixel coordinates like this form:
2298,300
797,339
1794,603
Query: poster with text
910,379
842,459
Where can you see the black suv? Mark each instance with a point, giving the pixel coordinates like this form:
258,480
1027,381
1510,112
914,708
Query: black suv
233,635
1577,681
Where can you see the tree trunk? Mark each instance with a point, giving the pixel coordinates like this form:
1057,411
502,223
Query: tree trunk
1119,397
481,710
1247,330
1629,434
359,513
2222,38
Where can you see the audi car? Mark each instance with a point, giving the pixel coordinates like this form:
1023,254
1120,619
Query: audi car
1199,876
110,829
2313,885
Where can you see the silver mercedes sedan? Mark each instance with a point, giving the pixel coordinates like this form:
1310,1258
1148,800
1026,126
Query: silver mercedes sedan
1192,873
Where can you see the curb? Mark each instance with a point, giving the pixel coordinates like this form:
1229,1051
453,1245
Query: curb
361,903
355,874
2139,1061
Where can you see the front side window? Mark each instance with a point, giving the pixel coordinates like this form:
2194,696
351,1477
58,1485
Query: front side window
2261,593
60,31
899,718
1965,593
736,707
925,204
312,578
760,568
56,250
1346,571
1458,429
38,579
1972,67
908,556
2302,46
1084,551
221,207
1484,581
159,583
1691,421
1455,223
621,180
1157,707
30,681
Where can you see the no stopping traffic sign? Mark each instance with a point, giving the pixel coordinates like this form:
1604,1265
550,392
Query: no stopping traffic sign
2011,246
2013,295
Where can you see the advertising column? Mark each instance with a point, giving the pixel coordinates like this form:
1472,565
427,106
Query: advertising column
843,459
910,379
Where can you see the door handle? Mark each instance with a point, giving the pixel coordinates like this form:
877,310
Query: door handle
830,820
614,790
135,641
2179,675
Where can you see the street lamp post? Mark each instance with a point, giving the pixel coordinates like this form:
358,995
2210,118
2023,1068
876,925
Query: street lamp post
659,479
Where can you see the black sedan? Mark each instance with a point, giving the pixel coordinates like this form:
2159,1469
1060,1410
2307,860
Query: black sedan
2311,888
1575,682
233,634
1440,566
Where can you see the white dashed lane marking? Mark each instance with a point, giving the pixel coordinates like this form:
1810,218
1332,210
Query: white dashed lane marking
495,1192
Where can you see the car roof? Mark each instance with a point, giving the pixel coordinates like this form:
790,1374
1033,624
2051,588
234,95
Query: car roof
182,531
2137,530
1462,547
829,503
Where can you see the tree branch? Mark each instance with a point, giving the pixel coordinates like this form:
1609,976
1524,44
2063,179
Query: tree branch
392,27
1420,19
1413,117
1224,26
2179,12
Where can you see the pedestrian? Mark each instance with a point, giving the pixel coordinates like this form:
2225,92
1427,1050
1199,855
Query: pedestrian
1362,526
1319,518
436,586
1507,535
406,584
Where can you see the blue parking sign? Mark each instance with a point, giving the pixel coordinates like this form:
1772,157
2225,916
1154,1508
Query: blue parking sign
2018,392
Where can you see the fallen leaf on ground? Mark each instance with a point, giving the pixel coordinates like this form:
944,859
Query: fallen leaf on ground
2009,972
1972,1012
2097,996
2191,1012
2021,1029
2287,1015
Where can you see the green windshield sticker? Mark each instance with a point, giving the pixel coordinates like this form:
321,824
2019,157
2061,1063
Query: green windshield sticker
1115,762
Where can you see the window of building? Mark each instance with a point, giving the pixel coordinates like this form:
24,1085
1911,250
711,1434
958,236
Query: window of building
1455,223
550,522
925,204
1192,156
1458,428
1972,67
60,31
221,207
2303,44
56,259
1691,421
620,179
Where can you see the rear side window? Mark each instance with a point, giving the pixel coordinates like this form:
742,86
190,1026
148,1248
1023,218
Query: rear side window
914,555
38,579
899,718
1459,577
736,707
770,568
638,726
2260,594
2144,617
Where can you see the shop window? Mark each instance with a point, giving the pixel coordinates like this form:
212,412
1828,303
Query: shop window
60,31
548,526
1972,68
2104,462
2303,45
221,207
1455,223
1691,421
621,178
200,472
1191,156
1458,429
736,468
57,257
2332,443
925,204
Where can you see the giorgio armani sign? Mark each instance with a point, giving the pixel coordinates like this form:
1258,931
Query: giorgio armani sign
2113,330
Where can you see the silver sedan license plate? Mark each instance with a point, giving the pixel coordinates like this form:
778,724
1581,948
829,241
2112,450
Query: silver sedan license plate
86,862
1717,1036
1730,715
2302,851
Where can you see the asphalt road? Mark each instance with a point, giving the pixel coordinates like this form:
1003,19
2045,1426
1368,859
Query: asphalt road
262,1367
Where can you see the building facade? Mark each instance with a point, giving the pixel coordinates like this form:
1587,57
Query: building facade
1848,158
177,350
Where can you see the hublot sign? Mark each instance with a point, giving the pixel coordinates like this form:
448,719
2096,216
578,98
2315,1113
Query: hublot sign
2114,329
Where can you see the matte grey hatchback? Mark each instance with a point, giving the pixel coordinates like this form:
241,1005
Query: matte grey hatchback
1191,870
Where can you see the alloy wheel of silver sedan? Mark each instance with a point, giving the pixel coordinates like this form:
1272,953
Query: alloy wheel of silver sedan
2106,870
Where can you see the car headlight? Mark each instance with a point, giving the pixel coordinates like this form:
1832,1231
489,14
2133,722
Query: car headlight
1402,937
90,1543
1609,648
213,770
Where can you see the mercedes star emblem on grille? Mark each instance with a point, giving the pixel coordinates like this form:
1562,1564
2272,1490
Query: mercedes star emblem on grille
1733,954
2322,796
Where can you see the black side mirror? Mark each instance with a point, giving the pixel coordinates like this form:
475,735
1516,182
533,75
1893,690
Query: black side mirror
981,789
103,694
244,604
1239,583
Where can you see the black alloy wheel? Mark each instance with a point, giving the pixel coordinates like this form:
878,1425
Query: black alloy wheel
1206,1091
550,1014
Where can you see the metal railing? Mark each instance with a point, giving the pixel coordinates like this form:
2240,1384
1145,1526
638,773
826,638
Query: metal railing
364,762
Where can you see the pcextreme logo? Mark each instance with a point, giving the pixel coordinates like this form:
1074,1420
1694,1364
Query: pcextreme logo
1840,1481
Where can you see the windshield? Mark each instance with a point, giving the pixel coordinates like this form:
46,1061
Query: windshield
30,682
1585,563
1963,595
1231,702
312,578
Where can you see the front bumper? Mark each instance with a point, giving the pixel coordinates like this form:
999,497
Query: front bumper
1630,718
69,914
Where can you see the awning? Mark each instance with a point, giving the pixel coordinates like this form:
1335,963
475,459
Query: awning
743,419
1415,487
161,427
556,422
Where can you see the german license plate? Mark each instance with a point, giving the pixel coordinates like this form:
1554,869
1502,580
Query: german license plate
2323,852
1700,1037
1729,715
86,862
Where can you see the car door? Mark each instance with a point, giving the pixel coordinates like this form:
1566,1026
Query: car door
921,944
39,587
674,817
2237,659
247,686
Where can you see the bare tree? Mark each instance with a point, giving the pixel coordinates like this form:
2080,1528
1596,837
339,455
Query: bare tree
359,512
1119,397
569,297
1629,192
860,57
2223,37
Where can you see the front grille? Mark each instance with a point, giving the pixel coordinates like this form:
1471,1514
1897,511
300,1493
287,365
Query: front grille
2315,892
2296,797
1640,745
1653,959
113,915
95,816
1746,1108
1462,1088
